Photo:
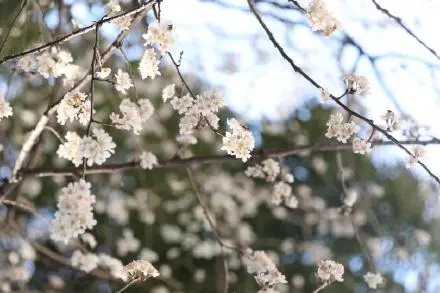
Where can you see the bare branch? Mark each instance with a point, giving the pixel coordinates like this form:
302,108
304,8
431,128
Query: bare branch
5,39
399,21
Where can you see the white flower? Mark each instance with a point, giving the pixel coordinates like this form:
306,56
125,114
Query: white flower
361,146
26,63
186,139
96,149
45,63
183,104
160,34
75,211
357,84
342,131
168,92
320,18
89,239
148,160
123,81
282,192
325,95
239,142
132,116
5,108
330,271
188,122
351,198
113,6
140,269
74,106
419,152
103,73
70,150
149,65
209,102
128,243
86,262
113,264
373,280
270,170
266,273
123,22
391,120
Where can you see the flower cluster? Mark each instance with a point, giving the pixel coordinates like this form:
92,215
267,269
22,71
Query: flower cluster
337,128
114,265
161,35
239,141
373,280
205,105
320,18
168,92
264,270
392,122
418,152
53,63
357,84
148,160
96,149
5,108
103,73
268,170
361,146
123,82
330,271
140,269
149,65
282,192
84,261
132,115
75,211
74,106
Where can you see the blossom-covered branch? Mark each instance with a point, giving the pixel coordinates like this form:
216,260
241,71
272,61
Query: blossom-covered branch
145,6
212,159
336,99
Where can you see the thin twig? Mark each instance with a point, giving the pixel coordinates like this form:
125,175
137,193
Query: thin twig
5,39
219,240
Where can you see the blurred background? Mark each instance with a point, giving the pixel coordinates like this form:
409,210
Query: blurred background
393,228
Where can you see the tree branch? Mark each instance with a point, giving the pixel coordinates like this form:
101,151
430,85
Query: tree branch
399,21
178,162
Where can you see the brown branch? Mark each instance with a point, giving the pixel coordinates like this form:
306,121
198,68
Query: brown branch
99,273
399,21
178,162
351,112
77,33
219,240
